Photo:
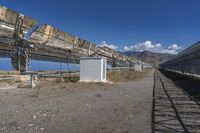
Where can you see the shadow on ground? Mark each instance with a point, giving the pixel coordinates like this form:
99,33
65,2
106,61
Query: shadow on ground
174,110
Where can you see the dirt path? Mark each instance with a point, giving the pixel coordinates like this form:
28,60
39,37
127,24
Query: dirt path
92,108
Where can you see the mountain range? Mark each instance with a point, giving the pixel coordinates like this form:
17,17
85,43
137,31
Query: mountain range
149,57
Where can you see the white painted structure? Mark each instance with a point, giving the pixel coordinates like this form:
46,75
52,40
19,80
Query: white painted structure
137,67
93,69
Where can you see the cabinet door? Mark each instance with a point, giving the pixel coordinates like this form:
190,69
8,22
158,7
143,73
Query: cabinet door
104,69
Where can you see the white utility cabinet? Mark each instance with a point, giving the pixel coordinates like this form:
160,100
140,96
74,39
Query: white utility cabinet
93,69
137,67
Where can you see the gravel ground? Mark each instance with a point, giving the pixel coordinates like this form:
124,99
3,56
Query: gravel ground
123,107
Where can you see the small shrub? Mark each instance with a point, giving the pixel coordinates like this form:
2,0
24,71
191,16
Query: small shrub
58,80
72,79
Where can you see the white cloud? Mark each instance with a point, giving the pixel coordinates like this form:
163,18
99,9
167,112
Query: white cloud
174,47
148,45
104,43
158,45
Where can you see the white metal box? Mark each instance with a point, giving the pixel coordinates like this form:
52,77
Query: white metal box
137,67
93,69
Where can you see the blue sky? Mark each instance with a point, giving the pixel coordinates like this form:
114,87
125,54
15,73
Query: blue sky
165,26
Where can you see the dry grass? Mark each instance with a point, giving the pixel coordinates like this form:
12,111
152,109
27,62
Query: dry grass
10,77
9,73
71,80
126,75
8,81
66,80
